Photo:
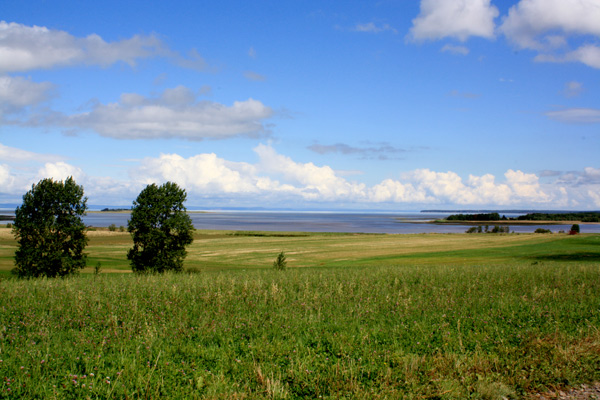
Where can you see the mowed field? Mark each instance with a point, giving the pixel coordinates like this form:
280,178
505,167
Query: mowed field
440,316
226,250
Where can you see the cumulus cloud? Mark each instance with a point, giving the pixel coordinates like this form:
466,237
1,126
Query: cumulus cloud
547,26
202,173
313,182
60,171
576,115
16,94
276,178
7,179
459,19
175,113
25,48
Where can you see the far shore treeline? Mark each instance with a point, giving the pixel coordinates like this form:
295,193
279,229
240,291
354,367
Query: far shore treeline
583,216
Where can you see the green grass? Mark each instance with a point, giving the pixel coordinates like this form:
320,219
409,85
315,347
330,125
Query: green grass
353,316
227,250
382,332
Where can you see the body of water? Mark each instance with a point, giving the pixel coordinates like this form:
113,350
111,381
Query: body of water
321,222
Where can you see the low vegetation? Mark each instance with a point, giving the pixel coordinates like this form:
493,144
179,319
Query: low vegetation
397,332
584,216
353,316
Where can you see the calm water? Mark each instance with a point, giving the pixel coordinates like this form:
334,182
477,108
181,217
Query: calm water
320,222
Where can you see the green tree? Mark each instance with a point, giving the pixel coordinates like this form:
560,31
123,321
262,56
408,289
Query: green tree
50,231
160,228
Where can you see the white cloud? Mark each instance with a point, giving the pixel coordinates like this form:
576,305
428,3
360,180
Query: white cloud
312,181
60,171
176,113
13,154
458,50
426,186
547,25
525,186
201,173
459,19
534,24
576,115
7,179
277,179
18,93
25,48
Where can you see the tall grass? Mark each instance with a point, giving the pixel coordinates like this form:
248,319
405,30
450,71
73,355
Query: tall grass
447,332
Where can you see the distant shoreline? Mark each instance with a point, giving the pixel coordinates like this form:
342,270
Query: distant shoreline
508,222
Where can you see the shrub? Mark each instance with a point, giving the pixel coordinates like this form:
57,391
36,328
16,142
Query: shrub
49,230
112,228
280,262
574,229
542,230
472,229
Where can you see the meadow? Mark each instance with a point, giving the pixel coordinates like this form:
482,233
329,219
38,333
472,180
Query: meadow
353,316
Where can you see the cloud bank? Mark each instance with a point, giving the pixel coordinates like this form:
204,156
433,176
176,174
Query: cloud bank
275,179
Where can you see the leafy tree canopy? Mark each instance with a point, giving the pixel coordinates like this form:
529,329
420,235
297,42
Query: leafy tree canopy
161,229
50,231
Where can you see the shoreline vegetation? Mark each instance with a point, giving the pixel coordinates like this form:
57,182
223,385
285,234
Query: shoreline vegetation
566,218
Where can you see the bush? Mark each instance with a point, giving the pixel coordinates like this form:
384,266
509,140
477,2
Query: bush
49,230
574,229
161,229
472,229
112,228
280,262
542,230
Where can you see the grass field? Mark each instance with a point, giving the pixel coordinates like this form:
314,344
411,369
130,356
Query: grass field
354,316
222,250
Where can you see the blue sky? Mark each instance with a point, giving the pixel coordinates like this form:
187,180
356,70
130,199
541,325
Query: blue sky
310,104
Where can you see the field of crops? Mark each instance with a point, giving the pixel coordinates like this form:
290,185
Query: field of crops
353,316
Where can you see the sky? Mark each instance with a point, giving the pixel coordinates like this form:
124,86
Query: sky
324,105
